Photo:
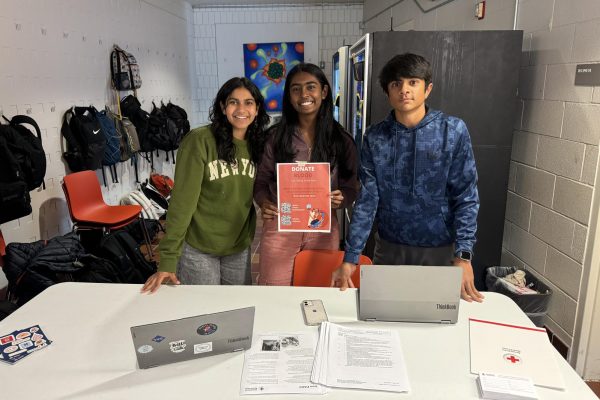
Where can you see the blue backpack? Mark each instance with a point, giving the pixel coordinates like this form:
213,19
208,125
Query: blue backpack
112,151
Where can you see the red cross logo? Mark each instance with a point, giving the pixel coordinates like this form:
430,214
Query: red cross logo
511,358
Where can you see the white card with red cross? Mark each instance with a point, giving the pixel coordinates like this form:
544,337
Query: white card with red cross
513,350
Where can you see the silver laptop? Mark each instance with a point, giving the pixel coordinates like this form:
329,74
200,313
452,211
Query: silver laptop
193,337
409,293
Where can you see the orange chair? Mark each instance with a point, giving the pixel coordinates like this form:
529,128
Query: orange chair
89,211
314,267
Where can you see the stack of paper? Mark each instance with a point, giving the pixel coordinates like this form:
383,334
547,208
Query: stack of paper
513,350
359,358
500,387
280,363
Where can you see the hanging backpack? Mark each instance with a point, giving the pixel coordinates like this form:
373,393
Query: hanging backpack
112,151
129,143
132,109
180,118
125,71
27,149
14,194
85,141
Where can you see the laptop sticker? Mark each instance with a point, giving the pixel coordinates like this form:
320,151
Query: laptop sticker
145,349
202,348
207,329
177,346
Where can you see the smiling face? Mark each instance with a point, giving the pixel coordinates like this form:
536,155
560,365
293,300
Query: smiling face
240,108
307,94
408,95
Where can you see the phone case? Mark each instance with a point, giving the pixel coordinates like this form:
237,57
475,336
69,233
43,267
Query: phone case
314,312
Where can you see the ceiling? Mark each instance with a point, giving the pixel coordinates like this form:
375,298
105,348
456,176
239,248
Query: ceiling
217,3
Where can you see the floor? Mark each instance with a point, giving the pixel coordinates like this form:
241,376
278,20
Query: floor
595,386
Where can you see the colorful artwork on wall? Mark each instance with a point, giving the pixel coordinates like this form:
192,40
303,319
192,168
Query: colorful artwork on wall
267,64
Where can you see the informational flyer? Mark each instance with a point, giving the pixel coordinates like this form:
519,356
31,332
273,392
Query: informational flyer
280,363
303,197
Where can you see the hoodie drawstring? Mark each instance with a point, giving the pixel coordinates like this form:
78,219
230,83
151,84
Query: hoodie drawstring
414,177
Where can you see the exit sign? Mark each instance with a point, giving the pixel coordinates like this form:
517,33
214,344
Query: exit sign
587,75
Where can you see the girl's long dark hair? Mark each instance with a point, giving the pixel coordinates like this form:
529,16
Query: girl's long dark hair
329,144
222,129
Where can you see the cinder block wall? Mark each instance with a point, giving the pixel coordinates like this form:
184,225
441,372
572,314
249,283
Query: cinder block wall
55,54
338,25
555,142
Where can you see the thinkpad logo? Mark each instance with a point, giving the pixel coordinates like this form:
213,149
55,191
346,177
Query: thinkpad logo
446,306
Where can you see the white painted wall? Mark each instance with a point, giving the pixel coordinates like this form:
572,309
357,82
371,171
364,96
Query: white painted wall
55,54
231,38
555,150
332,25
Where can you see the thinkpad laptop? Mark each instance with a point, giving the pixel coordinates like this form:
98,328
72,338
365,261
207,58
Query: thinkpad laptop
193,337
409,293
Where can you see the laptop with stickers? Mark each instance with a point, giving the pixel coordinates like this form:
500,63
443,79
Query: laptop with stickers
410,293
193,337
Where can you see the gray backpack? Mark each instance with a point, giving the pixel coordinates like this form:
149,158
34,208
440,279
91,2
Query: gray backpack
124,69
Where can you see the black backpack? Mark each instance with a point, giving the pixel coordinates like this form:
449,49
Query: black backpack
122,249
27,149
132,109
162,131
179,116
85,140
14,194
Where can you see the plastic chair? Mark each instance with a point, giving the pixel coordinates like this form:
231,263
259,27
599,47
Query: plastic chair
2,249
314,267
88,210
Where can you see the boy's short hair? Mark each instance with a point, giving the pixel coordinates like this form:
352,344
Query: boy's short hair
405,65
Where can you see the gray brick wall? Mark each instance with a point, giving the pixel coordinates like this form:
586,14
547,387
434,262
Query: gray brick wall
557,132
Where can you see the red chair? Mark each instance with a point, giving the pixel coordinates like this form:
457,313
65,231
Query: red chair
2,249
314,267
89,211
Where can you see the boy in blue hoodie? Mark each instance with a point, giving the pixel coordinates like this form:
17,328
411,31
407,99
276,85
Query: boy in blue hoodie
418,177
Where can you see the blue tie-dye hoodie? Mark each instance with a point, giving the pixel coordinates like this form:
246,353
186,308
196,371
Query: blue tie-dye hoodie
421,182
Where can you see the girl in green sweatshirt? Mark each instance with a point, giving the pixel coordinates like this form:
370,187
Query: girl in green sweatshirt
211,219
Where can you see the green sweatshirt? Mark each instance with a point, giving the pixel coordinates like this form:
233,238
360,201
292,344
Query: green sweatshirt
211,204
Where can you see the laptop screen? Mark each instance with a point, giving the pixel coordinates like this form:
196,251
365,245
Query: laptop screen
193,337
410,293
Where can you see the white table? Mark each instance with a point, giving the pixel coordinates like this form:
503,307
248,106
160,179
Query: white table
92,355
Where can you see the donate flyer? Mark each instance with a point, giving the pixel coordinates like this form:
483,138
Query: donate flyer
303,197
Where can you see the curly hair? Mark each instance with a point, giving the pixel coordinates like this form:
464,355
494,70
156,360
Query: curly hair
329,143
222,129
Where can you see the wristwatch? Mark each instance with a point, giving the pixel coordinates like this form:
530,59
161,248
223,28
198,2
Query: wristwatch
464,255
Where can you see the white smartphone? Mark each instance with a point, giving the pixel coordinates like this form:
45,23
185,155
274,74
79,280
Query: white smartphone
313,311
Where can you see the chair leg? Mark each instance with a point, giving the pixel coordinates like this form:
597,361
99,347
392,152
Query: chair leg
146,235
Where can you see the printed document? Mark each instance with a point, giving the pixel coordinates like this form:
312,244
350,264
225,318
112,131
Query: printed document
359,358
505,349
280,363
